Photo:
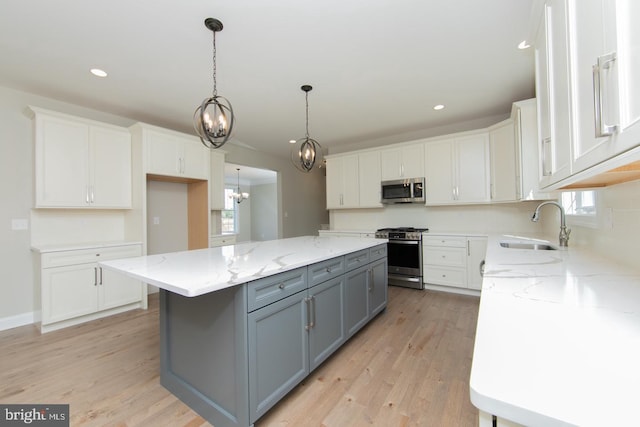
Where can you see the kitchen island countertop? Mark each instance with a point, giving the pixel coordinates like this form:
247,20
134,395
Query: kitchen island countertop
197,272
558,338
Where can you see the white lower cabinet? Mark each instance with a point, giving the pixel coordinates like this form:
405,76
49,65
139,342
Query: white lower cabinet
75,289
222,240
453,260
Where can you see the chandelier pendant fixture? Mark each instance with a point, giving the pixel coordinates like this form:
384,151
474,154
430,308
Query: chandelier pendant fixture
214,118
239,196
307,151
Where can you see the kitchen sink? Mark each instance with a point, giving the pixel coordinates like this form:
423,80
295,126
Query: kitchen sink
532,246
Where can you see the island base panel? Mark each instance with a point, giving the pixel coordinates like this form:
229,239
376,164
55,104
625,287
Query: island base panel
203,356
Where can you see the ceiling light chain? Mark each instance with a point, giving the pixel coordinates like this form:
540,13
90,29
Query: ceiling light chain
215,68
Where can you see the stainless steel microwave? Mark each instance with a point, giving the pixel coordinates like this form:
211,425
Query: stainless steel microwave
403,191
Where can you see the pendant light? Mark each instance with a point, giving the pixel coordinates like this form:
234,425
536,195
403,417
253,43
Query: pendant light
307,151
239,196
214,119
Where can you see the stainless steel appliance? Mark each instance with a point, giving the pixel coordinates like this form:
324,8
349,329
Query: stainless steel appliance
409,190
404,255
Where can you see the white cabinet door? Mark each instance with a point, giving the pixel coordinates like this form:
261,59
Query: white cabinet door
195,159
502,146
163,154
603,36
369,179
116,289
403,162
110,168
476,250
216,182
69,291
472,169
557,149
61,166
343,190
439,176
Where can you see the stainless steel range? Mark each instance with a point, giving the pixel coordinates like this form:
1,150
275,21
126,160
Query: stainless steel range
404,254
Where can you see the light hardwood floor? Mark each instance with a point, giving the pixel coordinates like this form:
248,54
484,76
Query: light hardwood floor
409,367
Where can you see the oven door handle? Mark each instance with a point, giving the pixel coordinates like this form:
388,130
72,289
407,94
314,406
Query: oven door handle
404,242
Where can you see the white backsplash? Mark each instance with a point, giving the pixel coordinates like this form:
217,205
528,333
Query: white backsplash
498,218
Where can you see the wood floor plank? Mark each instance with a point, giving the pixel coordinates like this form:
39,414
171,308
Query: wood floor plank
409,367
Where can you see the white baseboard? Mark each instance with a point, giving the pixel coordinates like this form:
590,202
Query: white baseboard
19,320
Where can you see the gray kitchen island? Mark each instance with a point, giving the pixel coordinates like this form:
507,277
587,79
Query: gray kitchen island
242,325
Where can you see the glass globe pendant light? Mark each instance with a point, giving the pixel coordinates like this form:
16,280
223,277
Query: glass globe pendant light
214,118
307,151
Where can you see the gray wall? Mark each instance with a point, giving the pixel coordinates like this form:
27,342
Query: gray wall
302,197
264,212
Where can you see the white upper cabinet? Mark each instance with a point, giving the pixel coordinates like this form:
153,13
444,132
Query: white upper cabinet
588,89
503,162
402,162
525,122
343,189
80,163
170,153
216,182
369,179
556,142
457,170
605,78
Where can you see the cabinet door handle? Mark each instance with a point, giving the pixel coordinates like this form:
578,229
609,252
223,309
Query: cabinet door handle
313,312
482,268
307,302
91,193
95,276
100,275
86,199
370,280
602,128
546,146
468,249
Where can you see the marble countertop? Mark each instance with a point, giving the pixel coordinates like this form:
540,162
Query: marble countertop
197,272
558,338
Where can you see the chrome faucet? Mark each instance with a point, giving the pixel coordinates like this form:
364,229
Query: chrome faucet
564,232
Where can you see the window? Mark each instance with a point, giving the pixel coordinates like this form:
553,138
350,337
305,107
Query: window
229,213
580,207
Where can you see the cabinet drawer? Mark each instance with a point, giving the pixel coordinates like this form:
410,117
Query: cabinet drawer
447,256
265,291
447,276
450,241
82,256
356,259
325,270
378,252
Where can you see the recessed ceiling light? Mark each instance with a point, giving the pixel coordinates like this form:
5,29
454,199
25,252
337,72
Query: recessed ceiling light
523,45
98,72
438,107
292,141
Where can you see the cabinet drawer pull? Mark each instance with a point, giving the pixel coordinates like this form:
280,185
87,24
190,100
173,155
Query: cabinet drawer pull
328,269
281,286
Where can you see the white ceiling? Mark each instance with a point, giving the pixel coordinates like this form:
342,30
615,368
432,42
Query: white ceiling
377,67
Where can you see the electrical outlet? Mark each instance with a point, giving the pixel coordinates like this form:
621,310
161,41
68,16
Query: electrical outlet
19,224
